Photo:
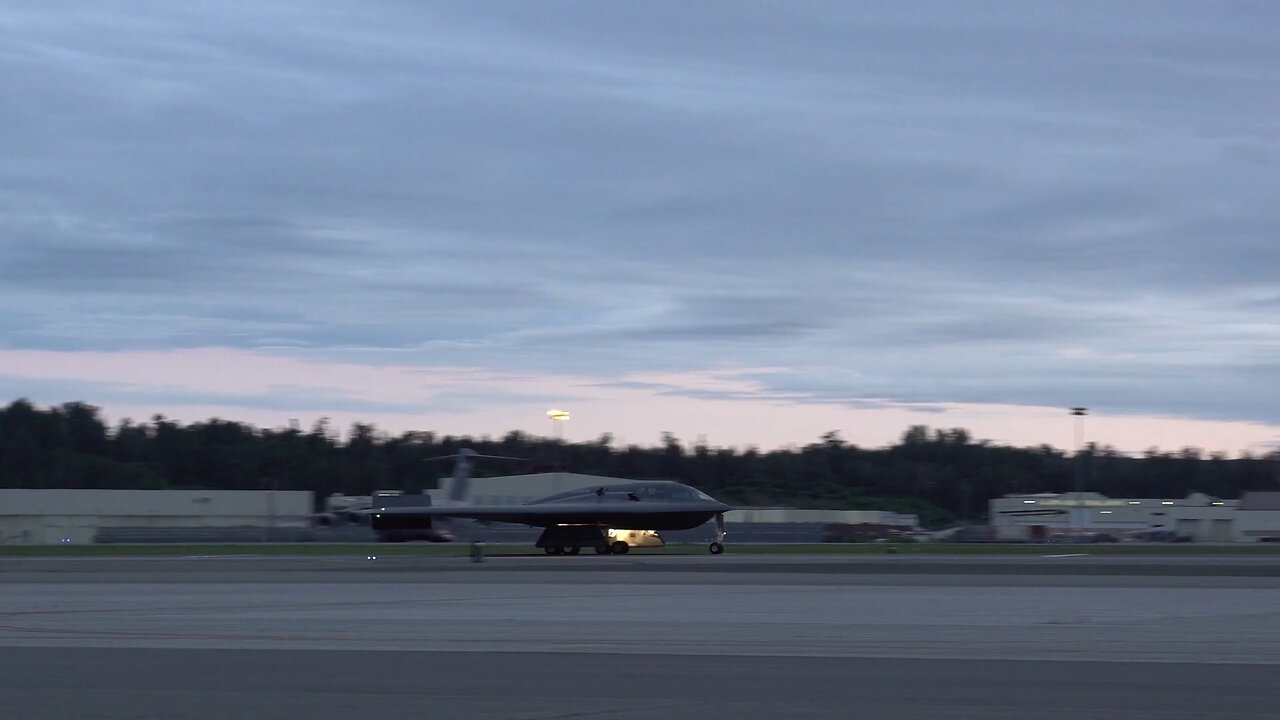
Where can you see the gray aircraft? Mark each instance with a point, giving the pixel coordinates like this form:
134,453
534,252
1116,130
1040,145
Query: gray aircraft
570,520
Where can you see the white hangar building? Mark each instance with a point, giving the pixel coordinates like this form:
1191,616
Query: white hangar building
520,489
50,517
1258,519
1197,517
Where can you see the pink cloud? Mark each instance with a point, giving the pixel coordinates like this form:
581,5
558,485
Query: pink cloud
636,411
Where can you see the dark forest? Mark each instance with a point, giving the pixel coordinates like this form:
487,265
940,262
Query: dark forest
943,475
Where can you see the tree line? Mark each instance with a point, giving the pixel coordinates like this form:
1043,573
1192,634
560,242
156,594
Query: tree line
943,475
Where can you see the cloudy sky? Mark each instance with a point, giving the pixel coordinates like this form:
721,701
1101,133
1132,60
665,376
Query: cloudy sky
746,223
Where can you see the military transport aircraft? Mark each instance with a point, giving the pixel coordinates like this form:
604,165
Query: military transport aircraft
570,520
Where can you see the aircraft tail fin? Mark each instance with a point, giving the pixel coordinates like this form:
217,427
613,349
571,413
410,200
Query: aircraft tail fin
458,489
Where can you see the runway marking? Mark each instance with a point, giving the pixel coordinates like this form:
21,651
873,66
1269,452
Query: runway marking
1066,555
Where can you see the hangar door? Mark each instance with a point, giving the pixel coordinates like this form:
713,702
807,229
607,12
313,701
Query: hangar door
1219,531
1188,527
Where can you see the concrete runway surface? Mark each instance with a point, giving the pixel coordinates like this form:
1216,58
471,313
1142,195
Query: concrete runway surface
1066,636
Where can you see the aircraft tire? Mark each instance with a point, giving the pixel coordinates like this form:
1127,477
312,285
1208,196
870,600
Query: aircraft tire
619,547
716,548
572,550
603,548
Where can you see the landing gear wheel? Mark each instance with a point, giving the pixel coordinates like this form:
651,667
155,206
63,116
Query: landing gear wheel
603,548
572,550
716,548
549,550
619,547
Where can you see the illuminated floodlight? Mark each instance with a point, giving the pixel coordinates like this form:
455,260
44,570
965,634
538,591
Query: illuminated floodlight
558,419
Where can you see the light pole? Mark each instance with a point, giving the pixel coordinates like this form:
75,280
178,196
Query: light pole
1078,413
558,419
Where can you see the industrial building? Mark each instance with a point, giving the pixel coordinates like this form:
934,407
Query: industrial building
1258,517
520,489
50,517
1195,518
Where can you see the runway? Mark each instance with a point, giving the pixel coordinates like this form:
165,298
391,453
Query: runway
656,636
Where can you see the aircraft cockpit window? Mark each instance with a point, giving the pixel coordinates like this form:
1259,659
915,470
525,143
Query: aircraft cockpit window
670,492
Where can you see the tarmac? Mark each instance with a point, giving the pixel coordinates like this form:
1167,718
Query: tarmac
636,636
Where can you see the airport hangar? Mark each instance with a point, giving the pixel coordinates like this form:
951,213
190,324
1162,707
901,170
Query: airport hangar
70,516
1255,517
53,517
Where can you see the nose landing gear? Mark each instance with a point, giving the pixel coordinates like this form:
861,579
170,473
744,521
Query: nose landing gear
717,546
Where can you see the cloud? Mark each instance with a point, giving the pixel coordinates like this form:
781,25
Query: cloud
899,207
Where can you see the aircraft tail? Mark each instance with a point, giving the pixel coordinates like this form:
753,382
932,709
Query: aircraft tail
458,489
458,492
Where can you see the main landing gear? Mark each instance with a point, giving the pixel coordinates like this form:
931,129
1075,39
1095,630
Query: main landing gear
717,546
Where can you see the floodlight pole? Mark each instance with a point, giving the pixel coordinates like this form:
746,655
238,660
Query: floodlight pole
1078,413
558,419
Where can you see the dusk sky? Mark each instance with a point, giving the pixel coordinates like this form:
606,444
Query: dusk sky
745,223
